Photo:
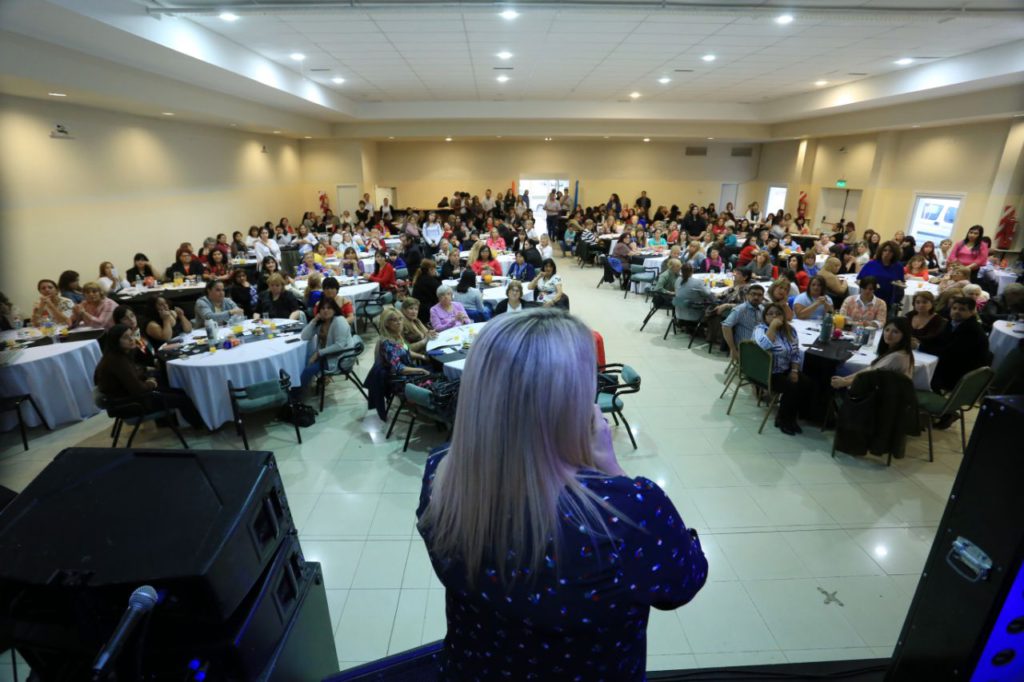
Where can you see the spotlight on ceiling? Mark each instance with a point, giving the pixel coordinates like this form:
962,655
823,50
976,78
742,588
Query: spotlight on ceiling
504,55
634,95
903,61
502,79
447,139
664,80
168,113
509,14
297,56
338,79
57,94
228,16
784,19
821,83
709,57
647,139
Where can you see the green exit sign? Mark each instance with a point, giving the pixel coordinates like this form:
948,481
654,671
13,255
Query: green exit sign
840,183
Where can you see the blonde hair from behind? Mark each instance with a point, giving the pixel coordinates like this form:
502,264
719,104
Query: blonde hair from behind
503,488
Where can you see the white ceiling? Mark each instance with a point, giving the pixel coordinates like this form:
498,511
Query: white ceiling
604,54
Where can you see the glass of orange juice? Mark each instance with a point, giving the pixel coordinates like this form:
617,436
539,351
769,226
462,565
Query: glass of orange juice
178,279
839,321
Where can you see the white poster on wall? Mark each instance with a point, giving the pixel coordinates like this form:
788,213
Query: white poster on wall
933,218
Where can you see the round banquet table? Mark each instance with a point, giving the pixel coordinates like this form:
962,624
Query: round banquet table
59,377
493,295
454,338
505,260
924,363
205,377
714,282
1004,278
1004,337
913,286
356,292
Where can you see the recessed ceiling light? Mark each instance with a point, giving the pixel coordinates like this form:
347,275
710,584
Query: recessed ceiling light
711,138
708,57
228,16
297,56
915,126
634,95
547,139
784,19
498,136
664,80
821,83
277,132
647,139
391,137
447,139
504,55
168,113
606,137
57,94
234,125
338,79
509,14
903,61
307,137
502,79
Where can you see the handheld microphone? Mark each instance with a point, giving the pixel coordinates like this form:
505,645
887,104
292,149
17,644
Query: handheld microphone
140,603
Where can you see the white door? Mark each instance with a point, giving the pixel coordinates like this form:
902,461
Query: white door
729,193
776,199
933,217
348,199
382,193
838,204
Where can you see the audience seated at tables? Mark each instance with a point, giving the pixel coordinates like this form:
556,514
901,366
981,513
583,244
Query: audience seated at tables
10,316
925,324
412,253
485,263
215,305
425,284
393,351
70,286
452,266
971,252
331,287
185,265
314,292
895,353
279,303
713,263
333,335
243,292
140,270
96,310
239,247
351,265
383,273
979,295
624,248
217,266
469,296
166,322
887,271
813,304
52,306
309,265
1008,305
253,236
795,264
145,347
690,295
447,313
414,332
916,269
544,247
547,286
266,246
743,318
778,292
109,280
761,268
865,308
118,376
521,270
835,287
774,334
666,282
961,348
269,266
492,509
513,301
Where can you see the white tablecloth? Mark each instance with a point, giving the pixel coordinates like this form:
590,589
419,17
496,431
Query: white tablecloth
1003,278
1004,337
924,364
714,282
913,286
505,260
493,295
59,379
356,292
131,292
455,335
205,377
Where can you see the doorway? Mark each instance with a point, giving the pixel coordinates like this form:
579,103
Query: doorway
730,190
776,199
539,189
838,204
348,198
383,193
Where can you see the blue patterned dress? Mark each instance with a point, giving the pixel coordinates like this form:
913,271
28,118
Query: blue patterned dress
583,615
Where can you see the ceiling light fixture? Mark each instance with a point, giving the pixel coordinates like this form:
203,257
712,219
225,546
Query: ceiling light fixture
57,94
502,79
338,80
709,57
447,139
307,137
647,139
664,80
634,95
228,16
391,137
711,138
504,55
509,14
903,61
784,19
277,132
168,113
297,56
821,83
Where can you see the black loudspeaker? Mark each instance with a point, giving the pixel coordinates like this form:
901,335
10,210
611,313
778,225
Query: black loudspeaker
210,530
966,621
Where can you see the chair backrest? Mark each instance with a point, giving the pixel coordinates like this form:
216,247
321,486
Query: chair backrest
969,389
615,264
635,269
756,363
260,395
417,395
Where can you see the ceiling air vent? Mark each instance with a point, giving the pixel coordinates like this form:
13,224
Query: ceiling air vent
318,70
504,68
742,151
696,151
856,73
684,70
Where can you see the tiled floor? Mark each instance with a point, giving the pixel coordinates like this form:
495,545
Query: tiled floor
784,525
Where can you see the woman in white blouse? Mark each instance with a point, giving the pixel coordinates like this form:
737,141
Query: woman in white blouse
265,246
547,252
547,286
253,236
109,280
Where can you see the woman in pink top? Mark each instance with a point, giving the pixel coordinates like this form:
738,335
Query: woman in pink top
495,242
96,311
447,313
971,252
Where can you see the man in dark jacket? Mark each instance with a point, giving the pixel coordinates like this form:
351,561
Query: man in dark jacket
1007,306
961,348
412,254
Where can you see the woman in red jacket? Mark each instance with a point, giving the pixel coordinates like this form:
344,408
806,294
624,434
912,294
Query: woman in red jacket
747,253
383,273
796,264
484,260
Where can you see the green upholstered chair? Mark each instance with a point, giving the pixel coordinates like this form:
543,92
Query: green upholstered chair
370,308
640,275
341,364
265,395
755,368
616,380
134,412
967,392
